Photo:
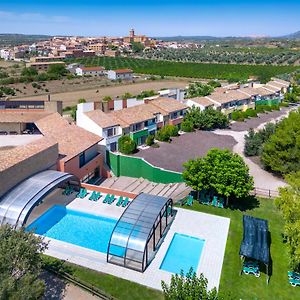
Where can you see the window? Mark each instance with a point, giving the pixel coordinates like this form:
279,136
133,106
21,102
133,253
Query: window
112,131
113,147
81,159
137,127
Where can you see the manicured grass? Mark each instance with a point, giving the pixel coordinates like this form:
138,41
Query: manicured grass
179,69
117,287
247,286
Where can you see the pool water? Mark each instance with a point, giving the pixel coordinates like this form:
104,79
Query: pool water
75,227
183,253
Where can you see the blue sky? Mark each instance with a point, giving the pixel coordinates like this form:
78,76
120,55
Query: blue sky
154,18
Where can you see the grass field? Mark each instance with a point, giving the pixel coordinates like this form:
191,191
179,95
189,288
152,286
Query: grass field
249,287
194,70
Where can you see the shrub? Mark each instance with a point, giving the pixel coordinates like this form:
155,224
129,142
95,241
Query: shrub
251,113
163,135
284,104
187,126
126,145
237,116
275,107
150,140
29,72
172,130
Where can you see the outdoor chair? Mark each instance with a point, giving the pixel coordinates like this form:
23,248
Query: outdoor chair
121,199
214,201
97,196
221,203
111,199
190,200
294,282
107,197
82,193
68,190
92,197
293,275
125,202
251,271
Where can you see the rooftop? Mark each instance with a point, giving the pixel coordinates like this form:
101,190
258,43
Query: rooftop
21,117
123,71
92,68
202,101
71,139
167,104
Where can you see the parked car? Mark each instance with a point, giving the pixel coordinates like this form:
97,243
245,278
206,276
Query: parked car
3,133
13,132
27,131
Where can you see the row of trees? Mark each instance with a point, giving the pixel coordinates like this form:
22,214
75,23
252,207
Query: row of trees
207,119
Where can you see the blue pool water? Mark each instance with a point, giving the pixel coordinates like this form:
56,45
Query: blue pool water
183,253
78,228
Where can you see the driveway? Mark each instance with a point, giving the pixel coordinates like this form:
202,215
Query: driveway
172,155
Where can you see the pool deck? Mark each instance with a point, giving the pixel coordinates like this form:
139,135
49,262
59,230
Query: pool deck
213,229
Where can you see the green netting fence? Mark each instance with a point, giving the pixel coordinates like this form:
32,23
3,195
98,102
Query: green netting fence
137,167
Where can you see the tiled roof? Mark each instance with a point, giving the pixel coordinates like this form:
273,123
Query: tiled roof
202,101
72,140
227,97
21,117
167,104
123,71
9,158
282,82
103,119
92,68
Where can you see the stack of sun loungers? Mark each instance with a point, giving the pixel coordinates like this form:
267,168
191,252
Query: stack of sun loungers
294,278
251,267
68,190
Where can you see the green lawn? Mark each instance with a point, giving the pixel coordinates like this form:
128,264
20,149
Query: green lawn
117,287
249,287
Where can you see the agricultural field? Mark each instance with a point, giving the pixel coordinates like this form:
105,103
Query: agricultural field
260,56
231,72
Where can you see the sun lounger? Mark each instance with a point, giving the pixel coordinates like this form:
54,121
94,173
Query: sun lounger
68,190
294,282
251,270
214,201
294,275
97,196
93,196
121,199
221,203
190,200
111,199
82,193
125,202
107,197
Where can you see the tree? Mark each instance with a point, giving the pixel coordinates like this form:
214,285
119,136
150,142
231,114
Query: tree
289,204
126,145
107,98
188,287
221,172
29,72
214,83
57,69
81,100
163,135
126,96
281,153
150,140
171,130
137,47
198,89
20,264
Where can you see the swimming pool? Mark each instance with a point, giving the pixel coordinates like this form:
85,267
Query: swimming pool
75,227
183,253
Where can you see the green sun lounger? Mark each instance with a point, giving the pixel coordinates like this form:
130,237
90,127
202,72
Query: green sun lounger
293,275
214,201
97,196
82,193
253,271
190,200
121,199
221,203
294,282
68,190
125,202
168,212
93,196
107,197
111,199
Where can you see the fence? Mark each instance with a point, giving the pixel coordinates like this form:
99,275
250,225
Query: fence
265,193
137,167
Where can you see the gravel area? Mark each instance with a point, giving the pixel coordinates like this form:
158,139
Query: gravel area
172,155
255,122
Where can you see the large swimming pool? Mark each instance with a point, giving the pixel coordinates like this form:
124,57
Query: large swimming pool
75,227
183,253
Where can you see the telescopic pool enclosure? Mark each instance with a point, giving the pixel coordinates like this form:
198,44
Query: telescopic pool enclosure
17,204
139,231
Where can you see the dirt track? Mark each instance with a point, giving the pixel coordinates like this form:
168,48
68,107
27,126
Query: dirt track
71,98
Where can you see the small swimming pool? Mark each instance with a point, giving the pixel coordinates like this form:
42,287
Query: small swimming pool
75,227
183,253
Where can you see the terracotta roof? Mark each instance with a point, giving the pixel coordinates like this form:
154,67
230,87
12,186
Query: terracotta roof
272,88
282,82
123,71
21,117
92,68
11,157
227,97
167,104
71,139
103,119
202,101
267,90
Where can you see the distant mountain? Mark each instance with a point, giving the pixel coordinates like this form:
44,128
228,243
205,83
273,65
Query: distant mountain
13,39
292,36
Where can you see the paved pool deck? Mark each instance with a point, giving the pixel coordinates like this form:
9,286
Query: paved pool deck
213,229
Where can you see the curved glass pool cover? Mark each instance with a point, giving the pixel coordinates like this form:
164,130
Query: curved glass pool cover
138,232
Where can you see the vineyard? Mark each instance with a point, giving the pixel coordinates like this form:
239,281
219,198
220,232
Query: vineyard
233,72
244,55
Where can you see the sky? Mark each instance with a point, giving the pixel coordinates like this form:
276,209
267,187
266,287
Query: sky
154,18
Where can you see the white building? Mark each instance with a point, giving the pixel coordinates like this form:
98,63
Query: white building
201,102
122,74
91,71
